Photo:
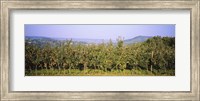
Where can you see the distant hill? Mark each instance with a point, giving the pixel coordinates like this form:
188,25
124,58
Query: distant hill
73,39
88,41
36,37
137,39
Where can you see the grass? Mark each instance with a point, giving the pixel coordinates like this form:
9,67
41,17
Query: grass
92,72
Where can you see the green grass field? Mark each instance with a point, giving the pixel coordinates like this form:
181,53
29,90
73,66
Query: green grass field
91,72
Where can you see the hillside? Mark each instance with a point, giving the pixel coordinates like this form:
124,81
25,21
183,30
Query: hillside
136,39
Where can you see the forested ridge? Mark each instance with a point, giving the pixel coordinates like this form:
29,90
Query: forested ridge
155,56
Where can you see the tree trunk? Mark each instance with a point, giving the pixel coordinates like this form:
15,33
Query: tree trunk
85,66
64,71
36,70
45,64
30,69
59,67
69,69
151,61
147,66
95,67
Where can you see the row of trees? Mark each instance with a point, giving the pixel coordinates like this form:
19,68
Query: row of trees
157,55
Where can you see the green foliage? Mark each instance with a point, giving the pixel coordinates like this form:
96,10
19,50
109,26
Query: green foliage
156,56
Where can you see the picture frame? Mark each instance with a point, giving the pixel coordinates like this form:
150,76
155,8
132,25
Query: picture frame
7,6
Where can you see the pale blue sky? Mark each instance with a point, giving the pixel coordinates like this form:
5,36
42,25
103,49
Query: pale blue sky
103,31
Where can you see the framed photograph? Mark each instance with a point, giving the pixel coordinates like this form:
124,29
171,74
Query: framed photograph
100,50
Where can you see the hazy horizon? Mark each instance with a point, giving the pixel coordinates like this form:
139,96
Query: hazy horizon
91,31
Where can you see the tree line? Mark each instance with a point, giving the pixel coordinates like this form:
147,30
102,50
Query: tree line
155,55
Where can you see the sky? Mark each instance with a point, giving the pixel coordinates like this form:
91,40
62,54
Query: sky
103,31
